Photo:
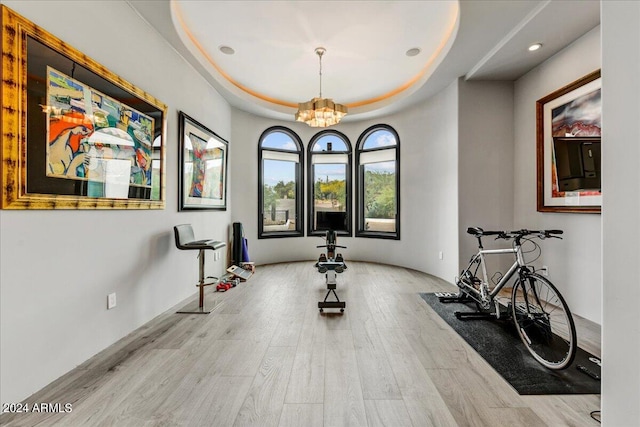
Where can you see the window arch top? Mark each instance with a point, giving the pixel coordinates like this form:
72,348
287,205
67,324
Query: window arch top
278,139
378,183
379,138
330,142
280,184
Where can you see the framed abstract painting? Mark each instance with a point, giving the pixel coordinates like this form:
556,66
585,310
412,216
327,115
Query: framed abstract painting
75,135
202,168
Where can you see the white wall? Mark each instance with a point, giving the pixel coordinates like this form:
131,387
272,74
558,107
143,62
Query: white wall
485,166
57,267
430,181
621,213
428,144
575,262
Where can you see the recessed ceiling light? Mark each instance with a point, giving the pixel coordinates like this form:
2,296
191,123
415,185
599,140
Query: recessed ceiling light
535,46
413,51
227,50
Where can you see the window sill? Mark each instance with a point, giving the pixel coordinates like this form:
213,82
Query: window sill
343,233
378,235
280,234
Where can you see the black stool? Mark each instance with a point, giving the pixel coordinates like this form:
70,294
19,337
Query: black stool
186,241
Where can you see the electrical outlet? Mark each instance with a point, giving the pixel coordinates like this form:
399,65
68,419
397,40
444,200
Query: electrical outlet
545,270
111,301
440,255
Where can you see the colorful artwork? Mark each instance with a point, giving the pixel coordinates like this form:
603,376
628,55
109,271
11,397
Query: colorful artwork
87,130
206,169
580,117
203,164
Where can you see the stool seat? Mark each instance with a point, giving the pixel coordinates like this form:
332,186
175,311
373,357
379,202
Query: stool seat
186,240
204,244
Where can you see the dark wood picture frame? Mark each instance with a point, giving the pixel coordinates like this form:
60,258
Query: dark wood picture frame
74,134
581,131
202,167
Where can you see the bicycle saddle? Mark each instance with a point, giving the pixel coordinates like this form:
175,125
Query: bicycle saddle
476,231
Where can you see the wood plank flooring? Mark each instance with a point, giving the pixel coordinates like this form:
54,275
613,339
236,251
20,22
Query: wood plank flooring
266,357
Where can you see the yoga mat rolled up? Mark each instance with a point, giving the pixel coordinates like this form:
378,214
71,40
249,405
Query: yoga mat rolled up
245,250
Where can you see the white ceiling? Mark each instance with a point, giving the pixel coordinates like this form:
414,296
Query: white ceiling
274,45
274,65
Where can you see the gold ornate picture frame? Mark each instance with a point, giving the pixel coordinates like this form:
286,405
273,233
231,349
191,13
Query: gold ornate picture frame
74,134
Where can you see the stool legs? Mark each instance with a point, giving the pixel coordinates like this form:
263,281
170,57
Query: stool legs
201,285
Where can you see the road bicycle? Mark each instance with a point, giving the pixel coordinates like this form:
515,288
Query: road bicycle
541,315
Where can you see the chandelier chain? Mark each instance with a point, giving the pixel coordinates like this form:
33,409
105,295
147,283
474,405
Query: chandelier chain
320,52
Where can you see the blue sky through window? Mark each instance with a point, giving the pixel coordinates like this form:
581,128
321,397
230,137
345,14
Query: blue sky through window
330,172
337,144
279,140
379,138
278,170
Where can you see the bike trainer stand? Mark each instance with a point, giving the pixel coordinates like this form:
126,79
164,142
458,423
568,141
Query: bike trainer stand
449,297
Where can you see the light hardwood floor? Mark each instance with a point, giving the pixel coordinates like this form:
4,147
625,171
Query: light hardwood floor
266,357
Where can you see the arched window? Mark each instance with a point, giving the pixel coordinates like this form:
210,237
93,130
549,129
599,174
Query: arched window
329,183
280,189
378,183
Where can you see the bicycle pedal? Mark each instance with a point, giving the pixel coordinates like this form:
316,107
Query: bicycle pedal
586,371
596,361
445,294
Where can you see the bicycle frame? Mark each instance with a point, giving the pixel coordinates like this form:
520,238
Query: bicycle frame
484,295
551,342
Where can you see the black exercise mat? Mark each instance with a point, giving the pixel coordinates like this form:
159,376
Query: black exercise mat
497,341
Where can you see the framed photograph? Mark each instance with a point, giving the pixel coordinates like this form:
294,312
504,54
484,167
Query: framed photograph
203,167
75,135
568,134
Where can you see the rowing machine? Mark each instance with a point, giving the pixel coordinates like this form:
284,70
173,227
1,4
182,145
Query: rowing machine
331,264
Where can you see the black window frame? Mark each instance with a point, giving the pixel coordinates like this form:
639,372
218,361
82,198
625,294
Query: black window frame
299,172
359,208
311,183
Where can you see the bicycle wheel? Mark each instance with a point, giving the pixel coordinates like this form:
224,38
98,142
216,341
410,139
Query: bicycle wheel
543,321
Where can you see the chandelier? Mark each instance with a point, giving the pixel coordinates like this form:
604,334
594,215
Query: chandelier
320,112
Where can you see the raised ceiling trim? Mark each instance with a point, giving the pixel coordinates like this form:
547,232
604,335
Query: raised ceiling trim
419,77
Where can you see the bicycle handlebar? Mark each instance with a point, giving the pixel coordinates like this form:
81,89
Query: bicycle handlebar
518,234
335,246
543,234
